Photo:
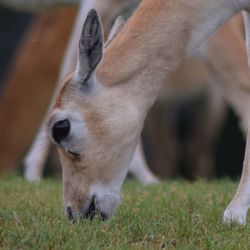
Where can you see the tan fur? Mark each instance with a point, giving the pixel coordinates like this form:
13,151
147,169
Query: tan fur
138,24
30,83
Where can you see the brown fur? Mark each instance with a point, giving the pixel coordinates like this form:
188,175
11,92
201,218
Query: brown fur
31,82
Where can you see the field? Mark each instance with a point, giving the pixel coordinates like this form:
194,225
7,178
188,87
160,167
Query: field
172,215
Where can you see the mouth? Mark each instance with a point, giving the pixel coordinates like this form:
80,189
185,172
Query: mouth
90,214
75,154
92,211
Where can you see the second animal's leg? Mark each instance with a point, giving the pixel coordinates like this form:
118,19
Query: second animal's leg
35,160
139,168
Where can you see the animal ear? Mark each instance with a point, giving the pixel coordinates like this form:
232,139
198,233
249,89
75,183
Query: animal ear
117,27
90,46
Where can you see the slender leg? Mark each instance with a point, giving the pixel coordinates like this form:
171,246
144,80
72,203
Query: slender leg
232,71
34,161
139,168
237,209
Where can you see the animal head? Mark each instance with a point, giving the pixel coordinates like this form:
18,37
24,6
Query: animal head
95,128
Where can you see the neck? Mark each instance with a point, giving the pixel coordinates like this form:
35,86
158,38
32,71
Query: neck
157,38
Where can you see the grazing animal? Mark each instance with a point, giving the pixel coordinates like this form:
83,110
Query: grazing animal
99,111
186,46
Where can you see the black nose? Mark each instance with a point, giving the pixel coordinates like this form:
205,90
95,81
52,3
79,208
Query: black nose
92,212
69,213
61,130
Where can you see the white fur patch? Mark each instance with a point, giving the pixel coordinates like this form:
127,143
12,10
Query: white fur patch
235,213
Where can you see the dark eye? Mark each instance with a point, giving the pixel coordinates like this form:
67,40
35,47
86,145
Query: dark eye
61,130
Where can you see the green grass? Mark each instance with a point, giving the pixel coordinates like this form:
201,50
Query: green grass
175,214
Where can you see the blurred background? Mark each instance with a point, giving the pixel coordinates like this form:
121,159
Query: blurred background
175,134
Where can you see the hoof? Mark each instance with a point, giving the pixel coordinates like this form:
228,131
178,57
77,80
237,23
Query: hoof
234,215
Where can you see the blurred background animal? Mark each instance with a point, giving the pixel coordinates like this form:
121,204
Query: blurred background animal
182,130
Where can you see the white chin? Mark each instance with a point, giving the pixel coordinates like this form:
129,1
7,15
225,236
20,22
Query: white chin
107,204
